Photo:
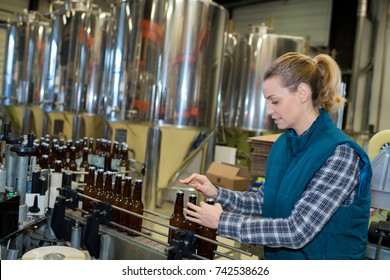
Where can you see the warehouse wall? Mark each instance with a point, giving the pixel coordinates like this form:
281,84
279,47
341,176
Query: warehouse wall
306,18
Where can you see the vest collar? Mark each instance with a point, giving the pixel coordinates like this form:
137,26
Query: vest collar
297,143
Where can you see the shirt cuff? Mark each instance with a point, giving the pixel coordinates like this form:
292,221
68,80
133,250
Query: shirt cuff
230,225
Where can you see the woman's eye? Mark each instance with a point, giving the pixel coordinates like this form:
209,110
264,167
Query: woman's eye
274,102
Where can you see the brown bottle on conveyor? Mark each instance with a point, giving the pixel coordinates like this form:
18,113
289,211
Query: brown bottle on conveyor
108,192
125,203
94,190
44,163
191,226
91,151
177,218
136,206
100,184
58,166
84,166
115,156
97,153
88,189
72,162
107,158
124,160
205,248
116,199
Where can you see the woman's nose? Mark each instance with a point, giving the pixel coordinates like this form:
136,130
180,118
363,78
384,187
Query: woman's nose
269,110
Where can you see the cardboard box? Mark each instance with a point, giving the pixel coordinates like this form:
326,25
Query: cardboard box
260,148
229,176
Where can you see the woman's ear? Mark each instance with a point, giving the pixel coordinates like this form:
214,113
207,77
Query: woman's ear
304,92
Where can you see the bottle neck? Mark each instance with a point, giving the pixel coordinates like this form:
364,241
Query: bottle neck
99,181
137,192
118,186
179,204
127,189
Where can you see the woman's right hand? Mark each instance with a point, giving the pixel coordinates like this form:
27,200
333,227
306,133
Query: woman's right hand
202,184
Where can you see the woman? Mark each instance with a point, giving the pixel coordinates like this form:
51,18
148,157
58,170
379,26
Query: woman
315,201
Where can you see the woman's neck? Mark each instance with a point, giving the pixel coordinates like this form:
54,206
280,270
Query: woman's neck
307,120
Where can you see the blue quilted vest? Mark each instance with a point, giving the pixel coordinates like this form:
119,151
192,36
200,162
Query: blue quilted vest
292,163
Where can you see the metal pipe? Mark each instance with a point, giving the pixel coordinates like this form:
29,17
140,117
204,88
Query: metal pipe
385,54
361,15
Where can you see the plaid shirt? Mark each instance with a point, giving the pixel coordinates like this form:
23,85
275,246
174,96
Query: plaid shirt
332,186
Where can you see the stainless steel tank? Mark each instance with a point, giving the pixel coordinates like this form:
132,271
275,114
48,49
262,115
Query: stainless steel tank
264,49
25,67
123,58
234,78
183,75
93,64
25,57
77,57
178,86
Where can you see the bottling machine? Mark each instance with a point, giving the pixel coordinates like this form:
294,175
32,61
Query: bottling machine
145,73
378,150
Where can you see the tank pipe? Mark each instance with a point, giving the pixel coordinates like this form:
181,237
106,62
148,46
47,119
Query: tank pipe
385,56
361,15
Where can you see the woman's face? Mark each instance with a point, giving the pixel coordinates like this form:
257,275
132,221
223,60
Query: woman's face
283,106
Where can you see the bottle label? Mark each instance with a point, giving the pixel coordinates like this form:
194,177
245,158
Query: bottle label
115,164
90,159
82,176
78,162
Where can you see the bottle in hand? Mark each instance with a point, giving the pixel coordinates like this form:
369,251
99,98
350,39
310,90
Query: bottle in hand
205,248
177,218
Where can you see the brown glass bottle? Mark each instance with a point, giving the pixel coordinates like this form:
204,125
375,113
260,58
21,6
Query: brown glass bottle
79,153
136,206
44,162
205,248
100,184
98,152
69,144
58,166
116,199
53,155
107,158
38,151
124,160
72,162
108,192
187,223
84,166
125,203
94,189
177,218
88,189
115,156
91,151
102,154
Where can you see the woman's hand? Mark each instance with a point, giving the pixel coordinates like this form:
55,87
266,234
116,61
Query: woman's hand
202,184
204,214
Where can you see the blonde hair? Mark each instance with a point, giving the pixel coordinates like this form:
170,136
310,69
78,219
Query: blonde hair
321,74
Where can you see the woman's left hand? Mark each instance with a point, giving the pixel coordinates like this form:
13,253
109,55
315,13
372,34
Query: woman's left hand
204,214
